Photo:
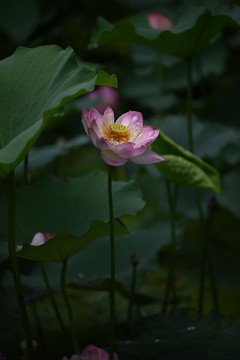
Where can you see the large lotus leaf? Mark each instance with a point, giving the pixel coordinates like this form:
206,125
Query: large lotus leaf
64,245
35,84
183,167
70,205
90,267
189,35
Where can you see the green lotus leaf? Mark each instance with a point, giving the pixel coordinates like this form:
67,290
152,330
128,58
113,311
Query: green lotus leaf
35,84
188,36
183,167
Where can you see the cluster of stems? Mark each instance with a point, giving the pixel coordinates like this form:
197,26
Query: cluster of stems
17,278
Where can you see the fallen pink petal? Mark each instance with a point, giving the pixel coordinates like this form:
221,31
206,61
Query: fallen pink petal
123,140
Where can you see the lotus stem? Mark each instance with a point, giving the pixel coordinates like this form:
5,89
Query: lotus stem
68,306
189,104
52,298
25,167
112,283
134,262
213,283
171,269
14,265
205,253
207,261
197,195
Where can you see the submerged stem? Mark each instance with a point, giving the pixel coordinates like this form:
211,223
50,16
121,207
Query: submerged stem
26,169
189,104
68,306
205,254
133,285
213,283
112,252
14,266
207,261
52,298
171,268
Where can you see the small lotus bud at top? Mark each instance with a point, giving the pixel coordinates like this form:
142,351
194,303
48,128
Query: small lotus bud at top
134,259
212,203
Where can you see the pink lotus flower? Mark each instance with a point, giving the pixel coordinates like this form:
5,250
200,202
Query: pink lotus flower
107,96
92,352
159,21
124,139
40,238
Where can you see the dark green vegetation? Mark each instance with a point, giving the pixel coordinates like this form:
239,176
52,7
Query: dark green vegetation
180,217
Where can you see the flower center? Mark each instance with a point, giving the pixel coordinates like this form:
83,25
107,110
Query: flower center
117,133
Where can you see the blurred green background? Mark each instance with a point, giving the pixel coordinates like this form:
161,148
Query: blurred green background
155,83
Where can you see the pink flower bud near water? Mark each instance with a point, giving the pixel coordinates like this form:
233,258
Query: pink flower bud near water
123,140
158,21
91,352
40,238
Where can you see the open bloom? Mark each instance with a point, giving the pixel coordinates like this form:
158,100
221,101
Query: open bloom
91,352
158,21
124,139
40,238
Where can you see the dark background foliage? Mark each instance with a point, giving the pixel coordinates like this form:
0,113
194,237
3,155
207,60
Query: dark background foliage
155,83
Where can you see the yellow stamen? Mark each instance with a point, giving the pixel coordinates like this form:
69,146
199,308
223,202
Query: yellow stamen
117,133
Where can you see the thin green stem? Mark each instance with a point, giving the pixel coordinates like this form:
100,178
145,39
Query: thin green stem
39,329
26,169
171,269
213,283
199,206
68,306
189,104
14,265
204,258
204,253
52,298
207,261
203,275
131,300
159,74
112,253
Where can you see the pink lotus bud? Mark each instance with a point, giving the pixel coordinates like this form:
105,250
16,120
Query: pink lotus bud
40,238
91,352
48,236
124,139
159,21
107,96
